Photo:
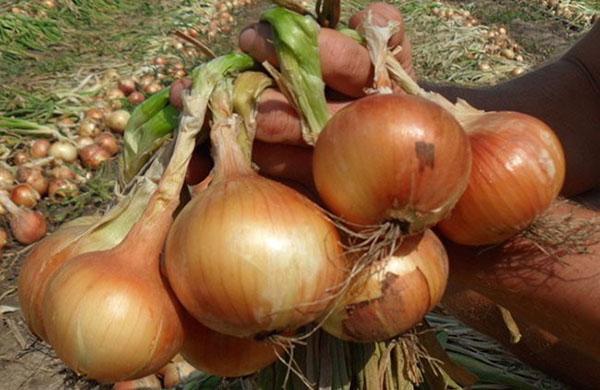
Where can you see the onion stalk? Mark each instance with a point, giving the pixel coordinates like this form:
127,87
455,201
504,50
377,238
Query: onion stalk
297,46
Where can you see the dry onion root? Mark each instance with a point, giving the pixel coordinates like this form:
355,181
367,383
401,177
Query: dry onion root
392,295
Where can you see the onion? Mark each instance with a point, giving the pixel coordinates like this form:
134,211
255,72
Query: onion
62,188
7,178
153,88
127,86
24,195
93,156
518,169
39,148
27,226
41,263
136,98
64,151
20,157
114,93
94,114
65,122
88,128
108,142
117,120
3,238
146,81
159,61
179,74
82,142
62,172
222,355
109,314
267,256
34,177
392,295
418,173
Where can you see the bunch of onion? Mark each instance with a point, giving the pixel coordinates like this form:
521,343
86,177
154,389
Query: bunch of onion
27,226
391,295
422,160
109,314
518,169
268,258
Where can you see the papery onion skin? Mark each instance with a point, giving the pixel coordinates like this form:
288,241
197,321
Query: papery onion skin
28,226
250,256
222,355
518,169
111,323
392,157
392,295
39,265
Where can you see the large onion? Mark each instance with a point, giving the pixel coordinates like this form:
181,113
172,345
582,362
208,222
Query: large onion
393,294
392,158
518,169
249,256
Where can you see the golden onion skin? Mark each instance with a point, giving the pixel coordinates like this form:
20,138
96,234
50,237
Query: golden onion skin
251,256
225,356
111,323
392,295
518,169
392,157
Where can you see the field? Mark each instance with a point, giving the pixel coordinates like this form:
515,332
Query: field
59,58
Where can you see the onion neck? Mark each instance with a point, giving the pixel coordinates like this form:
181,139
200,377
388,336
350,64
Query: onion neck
464,113
231,140
150,232
377,43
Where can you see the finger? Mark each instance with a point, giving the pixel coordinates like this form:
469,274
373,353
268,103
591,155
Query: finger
177,88
278,122
284,161
256,40
345,64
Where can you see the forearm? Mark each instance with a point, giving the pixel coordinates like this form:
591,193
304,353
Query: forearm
566,95
556,287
